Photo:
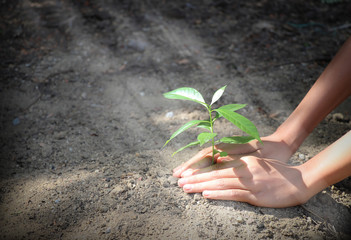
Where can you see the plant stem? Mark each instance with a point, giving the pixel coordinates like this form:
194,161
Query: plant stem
211,124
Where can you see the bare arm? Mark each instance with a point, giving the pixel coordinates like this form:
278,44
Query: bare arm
251,174
330,89
330,166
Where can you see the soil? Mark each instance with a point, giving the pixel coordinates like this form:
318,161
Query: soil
83,119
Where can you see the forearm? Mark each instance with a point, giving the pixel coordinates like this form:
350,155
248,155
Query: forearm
330,166
331,88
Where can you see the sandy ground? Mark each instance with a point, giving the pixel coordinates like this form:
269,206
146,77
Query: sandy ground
83,119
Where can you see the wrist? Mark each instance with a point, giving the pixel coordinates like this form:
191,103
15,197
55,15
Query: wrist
328,167
312,178
292,136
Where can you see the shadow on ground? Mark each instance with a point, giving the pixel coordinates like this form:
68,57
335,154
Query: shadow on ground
83,119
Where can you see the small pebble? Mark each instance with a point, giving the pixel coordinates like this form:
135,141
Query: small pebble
197,197
173,180
240,219
169,115
15,121
117,190
59,135
260,226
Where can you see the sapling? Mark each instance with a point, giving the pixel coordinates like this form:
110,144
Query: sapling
226,111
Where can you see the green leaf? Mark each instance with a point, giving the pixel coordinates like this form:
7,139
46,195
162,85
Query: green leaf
218,94
230,107
205,124
223,154
237,139
189,145
205,137
183,128
240,121
186,93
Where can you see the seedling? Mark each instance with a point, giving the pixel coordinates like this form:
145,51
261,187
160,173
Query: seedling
226,111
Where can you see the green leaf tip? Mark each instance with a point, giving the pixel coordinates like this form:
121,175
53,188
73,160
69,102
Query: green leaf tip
186,93
218,94
182,148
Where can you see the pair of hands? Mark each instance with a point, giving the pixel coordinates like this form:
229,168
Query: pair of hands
252,173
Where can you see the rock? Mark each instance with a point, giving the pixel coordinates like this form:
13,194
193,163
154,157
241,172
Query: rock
137,44
260,226
197,197
263,25
117,190
60,135
240,219
15,121
173,181
104,209
169,115
338,117
166,184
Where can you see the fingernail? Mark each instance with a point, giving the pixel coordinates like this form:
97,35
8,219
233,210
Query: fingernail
177,169
181,182
187,173
187,187
177,172
206,193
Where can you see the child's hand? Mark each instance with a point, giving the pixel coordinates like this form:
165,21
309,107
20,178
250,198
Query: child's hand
258,181
273,147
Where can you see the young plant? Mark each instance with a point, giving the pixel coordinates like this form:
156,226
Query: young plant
226,111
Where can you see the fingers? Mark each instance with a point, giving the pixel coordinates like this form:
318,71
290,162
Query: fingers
217,184
217,174
203,163
198,157
250,148
225,162
246,148
239,195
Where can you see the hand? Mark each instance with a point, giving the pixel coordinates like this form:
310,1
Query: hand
273,147
258,181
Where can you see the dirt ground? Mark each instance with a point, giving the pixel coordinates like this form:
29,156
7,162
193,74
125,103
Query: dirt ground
83,119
